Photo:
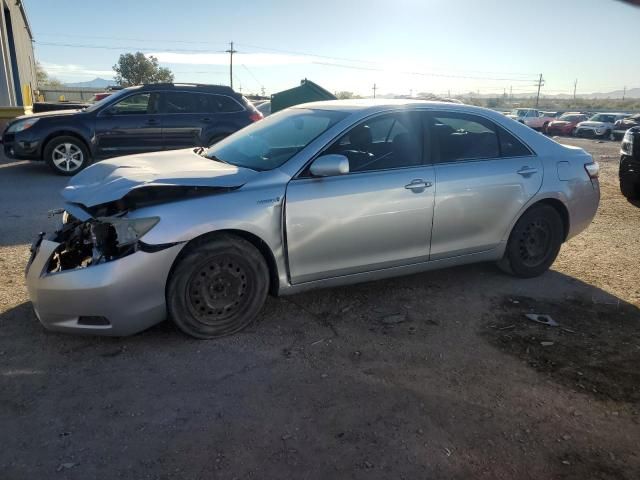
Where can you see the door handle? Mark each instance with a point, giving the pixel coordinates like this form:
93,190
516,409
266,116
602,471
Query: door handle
417,184
527,171
152,121
206,120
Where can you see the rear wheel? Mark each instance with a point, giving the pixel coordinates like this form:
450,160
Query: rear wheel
218,287
66,155
534,242
608,135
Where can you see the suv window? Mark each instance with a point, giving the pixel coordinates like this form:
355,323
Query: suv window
134,105
464,137
383,142
222,103
181,102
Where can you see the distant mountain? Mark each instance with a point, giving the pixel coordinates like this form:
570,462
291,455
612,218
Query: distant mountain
631,93
95,83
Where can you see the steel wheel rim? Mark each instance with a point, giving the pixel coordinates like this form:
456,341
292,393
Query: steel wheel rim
535,243
217,291
67,157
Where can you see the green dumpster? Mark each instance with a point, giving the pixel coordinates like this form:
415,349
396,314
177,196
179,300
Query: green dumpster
306,92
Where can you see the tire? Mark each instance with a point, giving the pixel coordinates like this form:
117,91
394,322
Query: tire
607,135
66,155
534,242
573,132
629,187
544,127
218,287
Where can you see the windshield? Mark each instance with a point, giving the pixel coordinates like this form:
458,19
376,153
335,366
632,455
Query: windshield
106,99
601,117
519,112
271,142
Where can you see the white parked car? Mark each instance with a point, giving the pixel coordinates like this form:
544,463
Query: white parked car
531,117
600,125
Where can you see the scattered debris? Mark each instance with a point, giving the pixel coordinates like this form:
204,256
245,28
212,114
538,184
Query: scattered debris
546,344
65,466
544,319
447,451
324,375
318,341
508,327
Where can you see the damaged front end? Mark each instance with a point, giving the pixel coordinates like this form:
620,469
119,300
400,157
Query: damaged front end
93,241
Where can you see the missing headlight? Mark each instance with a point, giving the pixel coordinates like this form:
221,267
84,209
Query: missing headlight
96,241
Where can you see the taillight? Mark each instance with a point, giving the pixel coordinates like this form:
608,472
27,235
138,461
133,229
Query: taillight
593,169
255,116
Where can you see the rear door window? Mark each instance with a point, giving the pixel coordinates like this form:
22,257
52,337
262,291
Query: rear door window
181,102
464,137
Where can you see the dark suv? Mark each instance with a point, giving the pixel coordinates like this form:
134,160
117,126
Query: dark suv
133,120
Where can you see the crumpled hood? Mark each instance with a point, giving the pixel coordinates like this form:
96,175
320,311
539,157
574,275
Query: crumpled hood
111,180
592,124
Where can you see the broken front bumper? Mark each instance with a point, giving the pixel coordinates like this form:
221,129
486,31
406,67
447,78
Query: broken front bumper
120,297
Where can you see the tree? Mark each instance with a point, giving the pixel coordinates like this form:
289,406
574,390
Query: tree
136,69
344,95
44,80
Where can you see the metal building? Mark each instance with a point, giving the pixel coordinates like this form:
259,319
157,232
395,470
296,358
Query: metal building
18,70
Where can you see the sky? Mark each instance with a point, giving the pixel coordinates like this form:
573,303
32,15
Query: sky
402,46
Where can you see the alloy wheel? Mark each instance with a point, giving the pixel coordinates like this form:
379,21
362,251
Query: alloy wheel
67,157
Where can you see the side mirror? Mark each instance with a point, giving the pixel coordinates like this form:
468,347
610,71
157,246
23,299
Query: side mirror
330,166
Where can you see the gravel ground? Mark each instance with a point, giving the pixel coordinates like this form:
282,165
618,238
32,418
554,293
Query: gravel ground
437,375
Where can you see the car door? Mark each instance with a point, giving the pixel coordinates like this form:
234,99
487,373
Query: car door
376,216
484,176
184,119
131,125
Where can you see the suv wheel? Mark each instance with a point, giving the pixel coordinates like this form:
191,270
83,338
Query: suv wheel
534,242
66,155
218,287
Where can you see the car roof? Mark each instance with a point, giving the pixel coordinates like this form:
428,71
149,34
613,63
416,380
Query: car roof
182,86
374,105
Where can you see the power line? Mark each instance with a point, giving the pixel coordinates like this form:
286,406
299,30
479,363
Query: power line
254,77
290,52
123,47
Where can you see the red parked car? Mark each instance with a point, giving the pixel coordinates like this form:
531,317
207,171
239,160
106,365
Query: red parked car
566,124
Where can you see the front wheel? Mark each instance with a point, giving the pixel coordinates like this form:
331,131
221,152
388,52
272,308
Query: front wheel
218,287
534,242
66,155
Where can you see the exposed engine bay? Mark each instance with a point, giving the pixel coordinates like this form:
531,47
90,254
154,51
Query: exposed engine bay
103,233
83,244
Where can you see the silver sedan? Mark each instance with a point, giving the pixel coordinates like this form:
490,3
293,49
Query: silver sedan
323,194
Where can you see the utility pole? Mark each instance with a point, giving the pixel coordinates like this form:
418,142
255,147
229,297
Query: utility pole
449,94
511,93
540,81
575,86
624,92
374,90
231,51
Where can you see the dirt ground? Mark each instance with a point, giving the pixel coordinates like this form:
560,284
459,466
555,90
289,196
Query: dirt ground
438,375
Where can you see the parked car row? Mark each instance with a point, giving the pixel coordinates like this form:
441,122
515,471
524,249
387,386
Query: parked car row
580,124
132,120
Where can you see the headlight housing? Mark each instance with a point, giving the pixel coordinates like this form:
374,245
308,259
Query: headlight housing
129,230
21,125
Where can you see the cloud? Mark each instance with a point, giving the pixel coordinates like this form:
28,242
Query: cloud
74,71
254,59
